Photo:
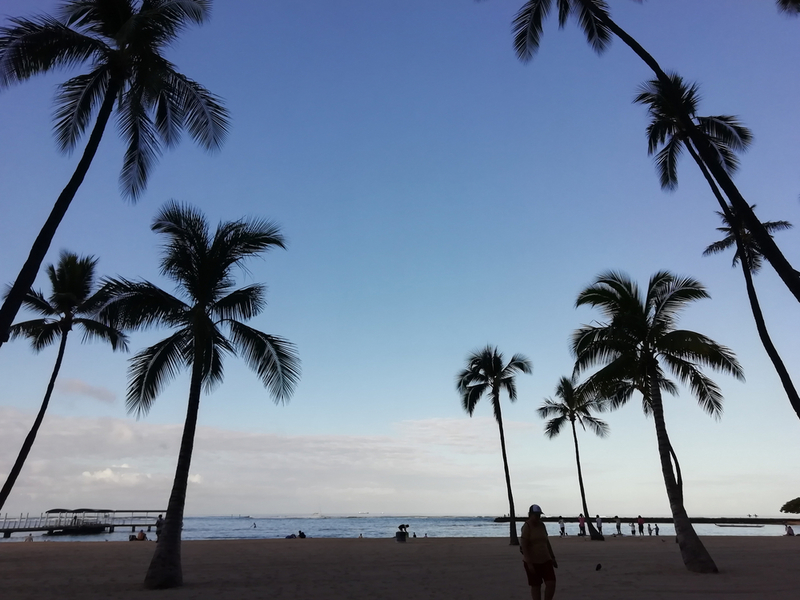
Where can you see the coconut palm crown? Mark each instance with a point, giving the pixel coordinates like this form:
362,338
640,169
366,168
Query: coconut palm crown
666,103
207,305
73,303
634,348
487,375
121,44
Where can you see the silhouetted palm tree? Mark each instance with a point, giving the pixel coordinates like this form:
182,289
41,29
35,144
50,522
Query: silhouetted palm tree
594,18
575,404
122,43
639,339
72,303
201,264
749,257
486,374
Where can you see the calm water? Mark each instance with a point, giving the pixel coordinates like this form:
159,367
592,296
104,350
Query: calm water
236,527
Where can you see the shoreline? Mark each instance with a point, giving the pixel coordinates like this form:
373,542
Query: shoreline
632,568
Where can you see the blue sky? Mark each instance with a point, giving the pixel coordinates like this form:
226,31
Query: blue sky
437,195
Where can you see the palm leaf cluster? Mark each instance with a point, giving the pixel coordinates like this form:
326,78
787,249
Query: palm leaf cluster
73,303
201,264
122,43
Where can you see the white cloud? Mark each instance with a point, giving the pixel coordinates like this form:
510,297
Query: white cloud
79,387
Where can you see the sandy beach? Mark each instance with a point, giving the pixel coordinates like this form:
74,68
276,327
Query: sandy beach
436,569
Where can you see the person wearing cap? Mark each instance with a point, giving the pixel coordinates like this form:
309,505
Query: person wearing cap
537,555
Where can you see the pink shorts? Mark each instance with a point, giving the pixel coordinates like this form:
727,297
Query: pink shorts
539,572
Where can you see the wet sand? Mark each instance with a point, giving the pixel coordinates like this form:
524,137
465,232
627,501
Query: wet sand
437,569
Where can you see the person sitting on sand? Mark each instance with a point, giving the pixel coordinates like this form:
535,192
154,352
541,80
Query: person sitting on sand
29,537
301,535
537,555
789,530
141,537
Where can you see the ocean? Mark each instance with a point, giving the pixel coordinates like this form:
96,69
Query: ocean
243,527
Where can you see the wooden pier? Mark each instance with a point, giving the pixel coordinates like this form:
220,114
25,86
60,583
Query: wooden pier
81,521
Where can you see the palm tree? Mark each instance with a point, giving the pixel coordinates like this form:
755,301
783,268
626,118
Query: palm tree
594,18
576,403
71,303
667,139
749,257
637,341
486,374
201,264
122,44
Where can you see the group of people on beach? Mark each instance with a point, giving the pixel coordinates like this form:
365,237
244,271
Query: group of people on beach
599,524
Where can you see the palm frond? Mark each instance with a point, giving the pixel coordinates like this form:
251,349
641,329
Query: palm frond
274,359
143,144
76,101
597,33
96,330
202,112
242,304
599,427
139,305
40,332
790,7
152,368
554,426
34,300
667,163
527,27
30,47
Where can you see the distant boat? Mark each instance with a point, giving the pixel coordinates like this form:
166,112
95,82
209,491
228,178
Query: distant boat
735,525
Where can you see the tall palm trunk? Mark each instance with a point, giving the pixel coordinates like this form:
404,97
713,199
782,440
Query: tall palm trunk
755,306
28,444
165,569
513,539
593,533
769,248
694,553
27,274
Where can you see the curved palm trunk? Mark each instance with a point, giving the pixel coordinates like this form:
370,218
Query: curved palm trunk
28,443
165,567
593,533
770,250
27,274
755,306
513,539
694,553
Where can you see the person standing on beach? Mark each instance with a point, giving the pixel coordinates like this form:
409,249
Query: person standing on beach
633,528
581,525
641,525
656,528
537,555
599,524
159,525
561,526
619,525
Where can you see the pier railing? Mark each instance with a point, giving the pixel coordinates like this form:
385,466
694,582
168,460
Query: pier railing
79,521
